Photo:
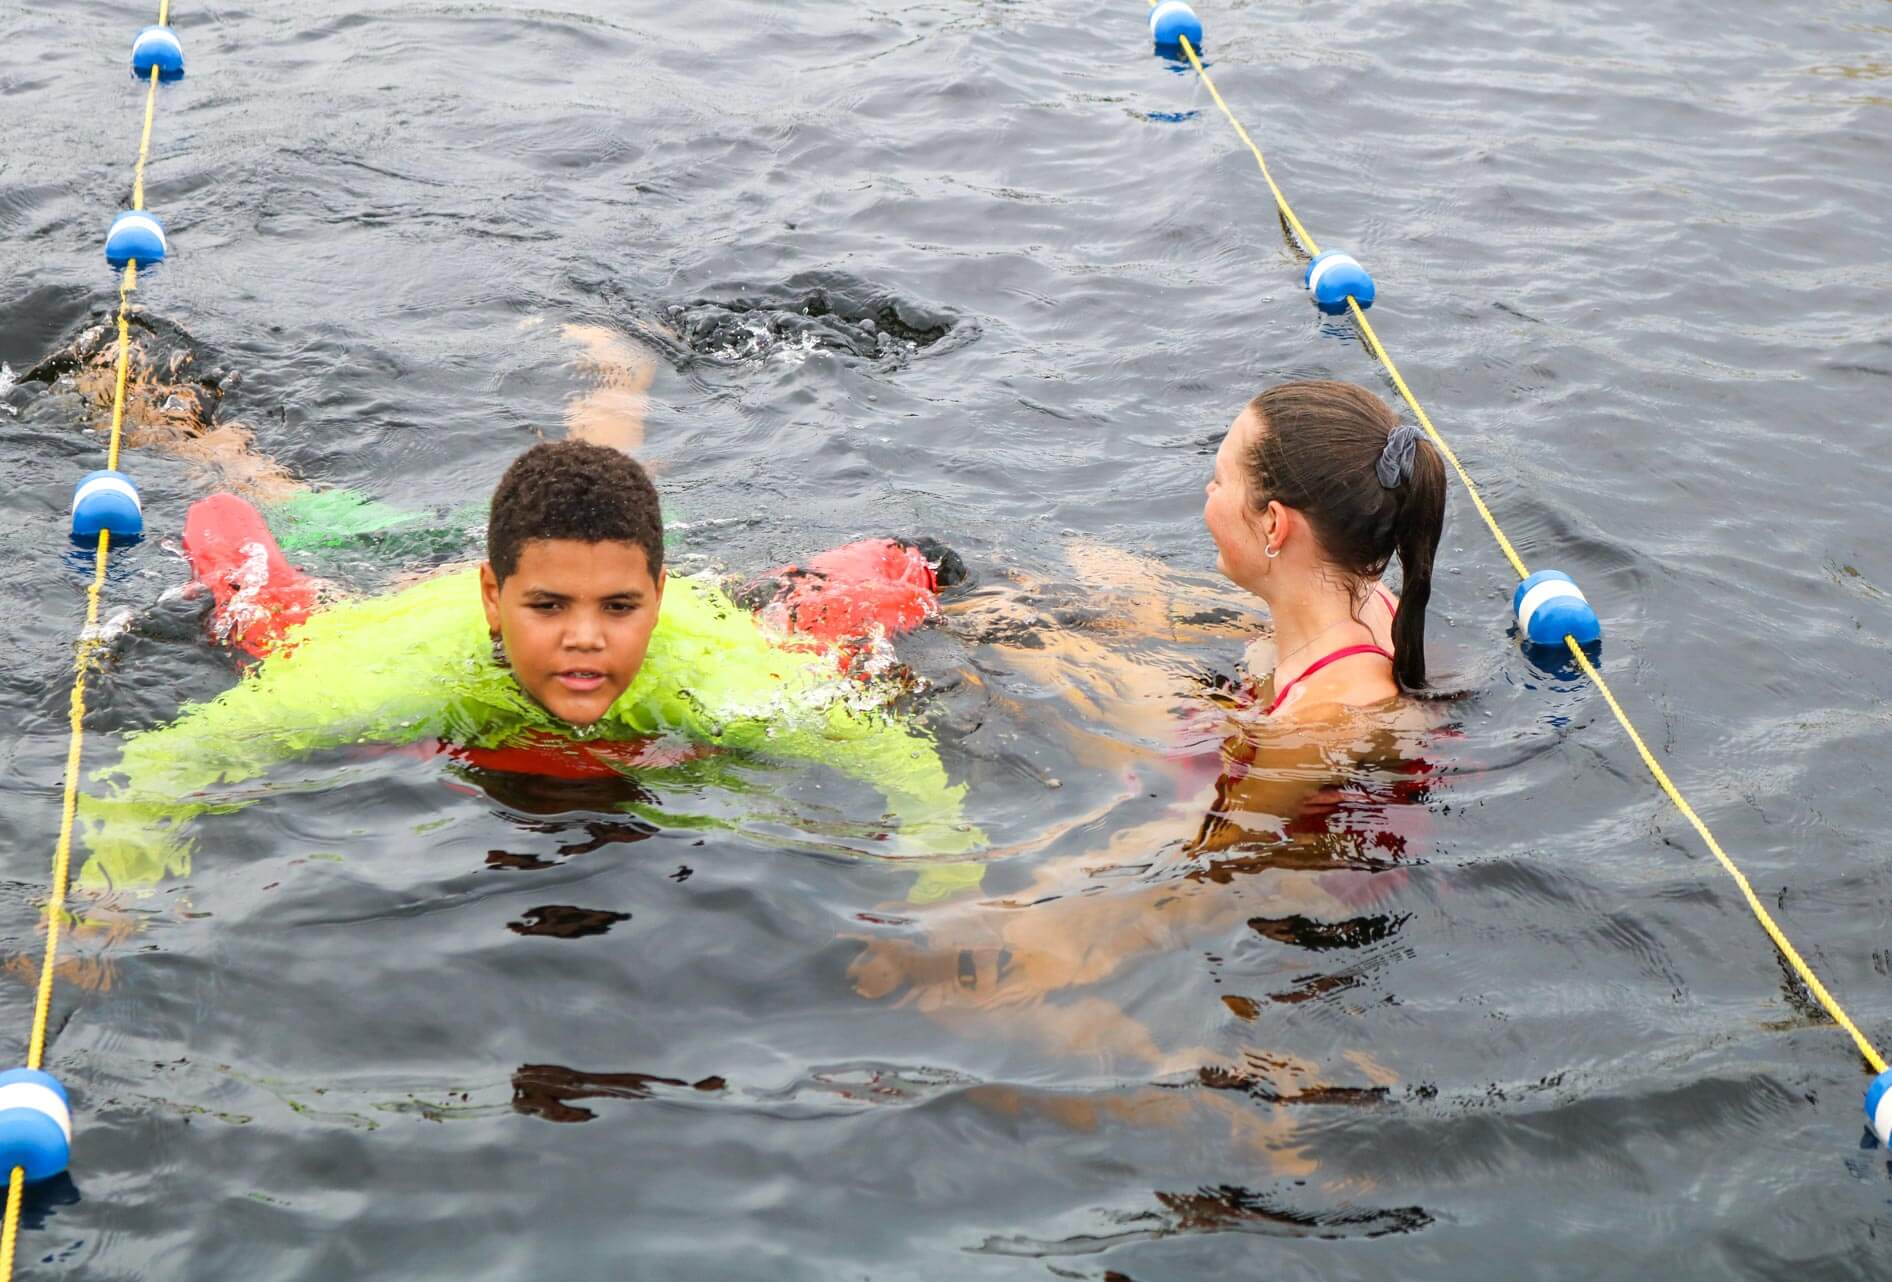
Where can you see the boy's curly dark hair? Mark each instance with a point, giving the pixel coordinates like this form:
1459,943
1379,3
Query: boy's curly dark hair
573,490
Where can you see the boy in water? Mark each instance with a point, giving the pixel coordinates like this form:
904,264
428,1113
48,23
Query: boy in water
570,653
573,583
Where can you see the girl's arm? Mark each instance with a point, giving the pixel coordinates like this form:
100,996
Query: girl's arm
1084,918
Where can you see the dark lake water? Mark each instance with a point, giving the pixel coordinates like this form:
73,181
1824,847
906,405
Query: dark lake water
1484,1008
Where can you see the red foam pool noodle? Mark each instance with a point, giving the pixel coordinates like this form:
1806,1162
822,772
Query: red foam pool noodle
847,591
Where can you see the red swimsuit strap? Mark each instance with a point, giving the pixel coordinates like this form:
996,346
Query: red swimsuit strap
1345,652
1388,598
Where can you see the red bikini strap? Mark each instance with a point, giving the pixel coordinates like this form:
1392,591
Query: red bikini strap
1388,598
1346,652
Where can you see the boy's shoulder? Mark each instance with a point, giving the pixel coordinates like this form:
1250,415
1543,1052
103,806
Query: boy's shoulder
699,622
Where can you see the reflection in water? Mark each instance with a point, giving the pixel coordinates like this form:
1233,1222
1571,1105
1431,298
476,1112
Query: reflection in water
42,1202
1258,1128
507,859
602,833
566,921
547,1090
1319,936
1229,1207
1261,1088
1220,1208
584,798
541,793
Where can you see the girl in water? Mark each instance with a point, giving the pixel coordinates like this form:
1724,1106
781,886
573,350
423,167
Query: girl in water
1317,788
1315,487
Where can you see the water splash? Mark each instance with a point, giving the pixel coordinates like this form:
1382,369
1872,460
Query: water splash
104,634
243,610
810,313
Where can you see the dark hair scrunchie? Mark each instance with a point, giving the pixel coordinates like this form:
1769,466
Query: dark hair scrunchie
1395,462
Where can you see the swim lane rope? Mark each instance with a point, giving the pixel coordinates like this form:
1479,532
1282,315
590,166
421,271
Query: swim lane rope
1181,39
30,1100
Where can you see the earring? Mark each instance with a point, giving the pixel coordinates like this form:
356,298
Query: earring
500,660
1272,552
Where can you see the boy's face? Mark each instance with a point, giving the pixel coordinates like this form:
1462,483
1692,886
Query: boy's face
576,618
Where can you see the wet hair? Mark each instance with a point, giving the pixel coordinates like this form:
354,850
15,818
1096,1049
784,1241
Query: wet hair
573,490
1318,452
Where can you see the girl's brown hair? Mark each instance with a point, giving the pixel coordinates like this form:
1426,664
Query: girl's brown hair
1318,452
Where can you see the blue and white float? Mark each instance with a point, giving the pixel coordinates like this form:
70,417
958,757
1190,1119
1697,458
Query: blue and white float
157,47
1171,21
107,501
35,1124
1333,277
136,235
1879,1106
1550,606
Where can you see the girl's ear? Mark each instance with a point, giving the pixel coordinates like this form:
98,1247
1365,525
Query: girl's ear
1277,524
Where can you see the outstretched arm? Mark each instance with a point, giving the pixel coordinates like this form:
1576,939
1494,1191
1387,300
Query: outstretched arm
171,404
1083,918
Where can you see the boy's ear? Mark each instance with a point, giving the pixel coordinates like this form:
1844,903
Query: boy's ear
663,577
489,596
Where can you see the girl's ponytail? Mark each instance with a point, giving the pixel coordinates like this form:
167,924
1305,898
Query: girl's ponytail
1418,523
1370,488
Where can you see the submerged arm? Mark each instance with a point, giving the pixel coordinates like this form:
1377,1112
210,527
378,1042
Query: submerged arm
904,764
881,749
1186,876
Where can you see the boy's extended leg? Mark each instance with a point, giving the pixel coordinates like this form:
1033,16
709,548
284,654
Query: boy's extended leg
612,412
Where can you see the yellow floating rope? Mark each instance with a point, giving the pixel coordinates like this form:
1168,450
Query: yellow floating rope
1774,932
83,655
1819,990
